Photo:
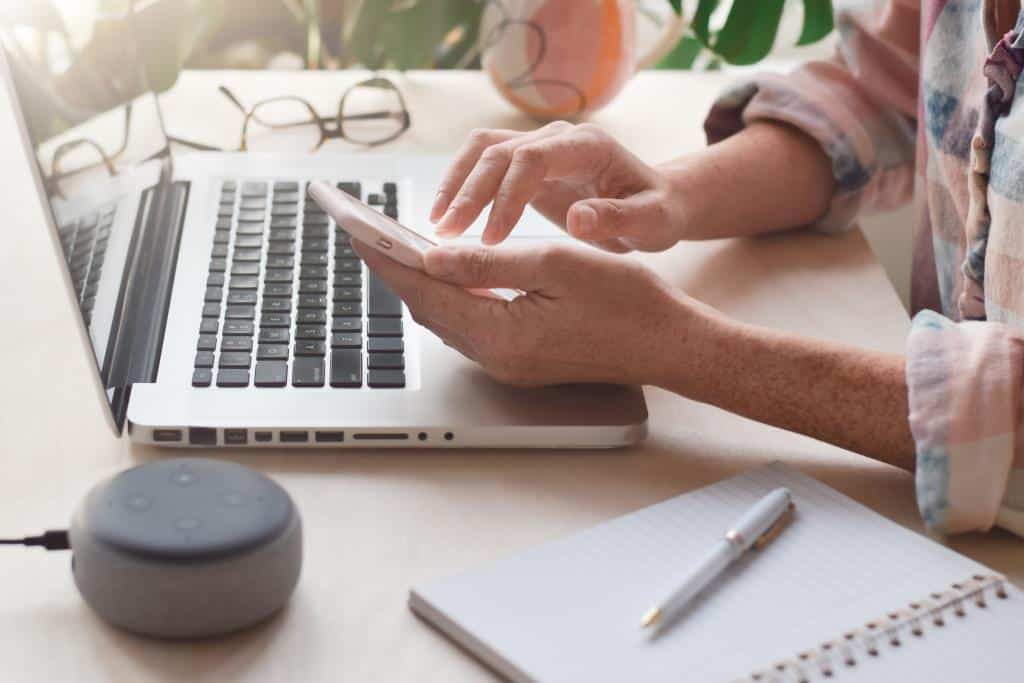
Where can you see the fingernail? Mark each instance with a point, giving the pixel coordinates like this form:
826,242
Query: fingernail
586,220
440,262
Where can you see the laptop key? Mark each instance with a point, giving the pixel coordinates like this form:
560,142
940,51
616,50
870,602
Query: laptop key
282,235
313,272
286,248
247,254
348,279
245,268
348,265
219,251
222,235
352,188
241,297
279,275
213,294
346,368
286,197
391,211
211,310
209,326
385,327
236,344
309,347
277,305
202,377
312,301
272,352
253,189
315,219
290,211
314,245
276,320
204,359
252,216
281,262
314,258
312,316
283,222
385,361
242,328
383,302
308,371
250,229
274,335
348,294
271,374
251,241
390,188
315,231
312,286
286,186
235,359
385,379
232,377
310,332
347,325
217,265
386,344
345,340
278,289
207,342
244,282
253,203
345,252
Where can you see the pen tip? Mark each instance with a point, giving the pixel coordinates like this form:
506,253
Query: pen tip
652,617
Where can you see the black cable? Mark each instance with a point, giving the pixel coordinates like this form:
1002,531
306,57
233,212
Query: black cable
55,539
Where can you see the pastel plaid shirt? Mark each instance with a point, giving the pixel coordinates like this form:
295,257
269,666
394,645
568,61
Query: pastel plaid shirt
919,101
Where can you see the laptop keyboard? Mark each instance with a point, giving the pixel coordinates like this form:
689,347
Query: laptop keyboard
84,242
287,301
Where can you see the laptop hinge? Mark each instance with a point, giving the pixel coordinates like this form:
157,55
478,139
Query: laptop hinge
140,317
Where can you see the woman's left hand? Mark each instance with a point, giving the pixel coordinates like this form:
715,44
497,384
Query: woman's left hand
585,316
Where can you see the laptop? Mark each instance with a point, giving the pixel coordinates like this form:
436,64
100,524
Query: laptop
224,308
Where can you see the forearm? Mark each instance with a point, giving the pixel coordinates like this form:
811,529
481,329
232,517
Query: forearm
766,178
849,397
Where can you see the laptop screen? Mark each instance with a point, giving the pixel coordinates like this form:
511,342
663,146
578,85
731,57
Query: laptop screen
94,127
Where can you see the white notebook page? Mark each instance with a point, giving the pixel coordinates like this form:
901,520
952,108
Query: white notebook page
570,610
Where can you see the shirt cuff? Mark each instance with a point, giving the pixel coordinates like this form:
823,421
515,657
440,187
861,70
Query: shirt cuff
964,382
866,178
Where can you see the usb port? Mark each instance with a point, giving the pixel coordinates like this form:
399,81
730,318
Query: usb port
264,437
330,437
236,437
202,436
164,435
294,437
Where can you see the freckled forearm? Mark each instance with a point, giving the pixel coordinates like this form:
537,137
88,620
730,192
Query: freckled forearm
850,397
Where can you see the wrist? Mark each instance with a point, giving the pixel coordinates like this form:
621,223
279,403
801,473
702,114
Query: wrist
689,188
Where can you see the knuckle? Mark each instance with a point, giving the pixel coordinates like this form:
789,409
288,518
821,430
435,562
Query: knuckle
480,137
495,154
557,127
480,263
528,155
549,255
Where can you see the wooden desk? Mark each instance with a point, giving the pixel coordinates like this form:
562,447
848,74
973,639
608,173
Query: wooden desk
378,523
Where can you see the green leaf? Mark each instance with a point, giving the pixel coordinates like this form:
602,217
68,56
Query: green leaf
411,34
683,55
702,21
749,31
818,21
677,5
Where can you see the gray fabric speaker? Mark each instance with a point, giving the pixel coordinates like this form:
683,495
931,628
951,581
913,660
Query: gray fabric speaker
186,548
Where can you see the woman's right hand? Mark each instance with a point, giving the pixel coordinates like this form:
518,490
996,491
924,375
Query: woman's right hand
578,176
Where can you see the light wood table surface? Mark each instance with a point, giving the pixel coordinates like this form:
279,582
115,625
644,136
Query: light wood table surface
378,523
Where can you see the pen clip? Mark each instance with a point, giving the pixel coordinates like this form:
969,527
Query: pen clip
775,529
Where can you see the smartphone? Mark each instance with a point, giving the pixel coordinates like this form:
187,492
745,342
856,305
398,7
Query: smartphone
371,227
383,233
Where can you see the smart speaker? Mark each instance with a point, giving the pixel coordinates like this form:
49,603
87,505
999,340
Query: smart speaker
186,548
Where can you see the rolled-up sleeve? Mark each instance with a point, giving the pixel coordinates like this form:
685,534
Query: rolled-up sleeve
860,106
965,381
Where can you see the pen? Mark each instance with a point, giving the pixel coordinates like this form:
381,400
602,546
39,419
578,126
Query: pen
756,528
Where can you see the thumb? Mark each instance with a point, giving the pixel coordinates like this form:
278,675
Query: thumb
601,220
485,267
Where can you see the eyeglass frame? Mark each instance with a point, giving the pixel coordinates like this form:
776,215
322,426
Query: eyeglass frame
330,128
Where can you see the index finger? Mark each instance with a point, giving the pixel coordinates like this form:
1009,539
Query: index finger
465,160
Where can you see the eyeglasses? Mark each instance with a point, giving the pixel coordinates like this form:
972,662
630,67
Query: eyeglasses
370,113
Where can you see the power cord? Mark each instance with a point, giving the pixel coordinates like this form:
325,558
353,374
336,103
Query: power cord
55,539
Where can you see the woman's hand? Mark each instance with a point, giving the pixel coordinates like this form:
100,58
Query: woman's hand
585,317
577,176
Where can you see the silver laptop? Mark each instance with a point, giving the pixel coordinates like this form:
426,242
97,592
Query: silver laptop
224,308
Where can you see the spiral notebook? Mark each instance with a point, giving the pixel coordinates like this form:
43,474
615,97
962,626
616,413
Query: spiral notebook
842,594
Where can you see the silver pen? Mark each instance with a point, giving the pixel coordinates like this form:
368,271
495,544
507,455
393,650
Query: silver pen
756,528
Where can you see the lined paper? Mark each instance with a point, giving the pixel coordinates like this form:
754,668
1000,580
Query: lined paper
570,610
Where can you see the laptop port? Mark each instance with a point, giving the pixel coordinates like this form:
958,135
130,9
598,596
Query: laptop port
264,437
294,437
377,436
330,437
236,437
202,436
166,435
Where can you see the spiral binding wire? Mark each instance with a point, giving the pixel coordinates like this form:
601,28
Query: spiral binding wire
828,660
